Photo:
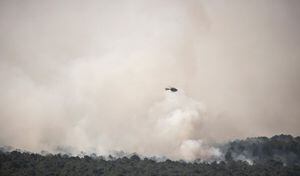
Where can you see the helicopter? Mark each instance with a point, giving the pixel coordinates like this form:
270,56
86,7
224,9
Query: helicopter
173,89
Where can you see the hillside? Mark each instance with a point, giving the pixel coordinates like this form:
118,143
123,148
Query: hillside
278,155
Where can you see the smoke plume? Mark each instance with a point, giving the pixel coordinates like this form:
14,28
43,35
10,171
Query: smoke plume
90,75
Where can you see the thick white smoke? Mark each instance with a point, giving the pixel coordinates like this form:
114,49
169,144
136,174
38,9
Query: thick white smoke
172,128
90,75
177,122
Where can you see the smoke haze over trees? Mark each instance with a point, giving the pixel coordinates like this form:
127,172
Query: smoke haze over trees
279,155
90,75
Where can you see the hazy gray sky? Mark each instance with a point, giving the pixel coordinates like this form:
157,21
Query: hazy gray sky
88,74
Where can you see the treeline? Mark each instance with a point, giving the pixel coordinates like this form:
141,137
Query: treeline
282,148
278,156
17,163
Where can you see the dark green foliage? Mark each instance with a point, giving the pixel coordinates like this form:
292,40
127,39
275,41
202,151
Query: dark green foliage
282,148
17,163
278,156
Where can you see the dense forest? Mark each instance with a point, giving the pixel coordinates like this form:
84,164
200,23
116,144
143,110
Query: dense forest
281,148
260,156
